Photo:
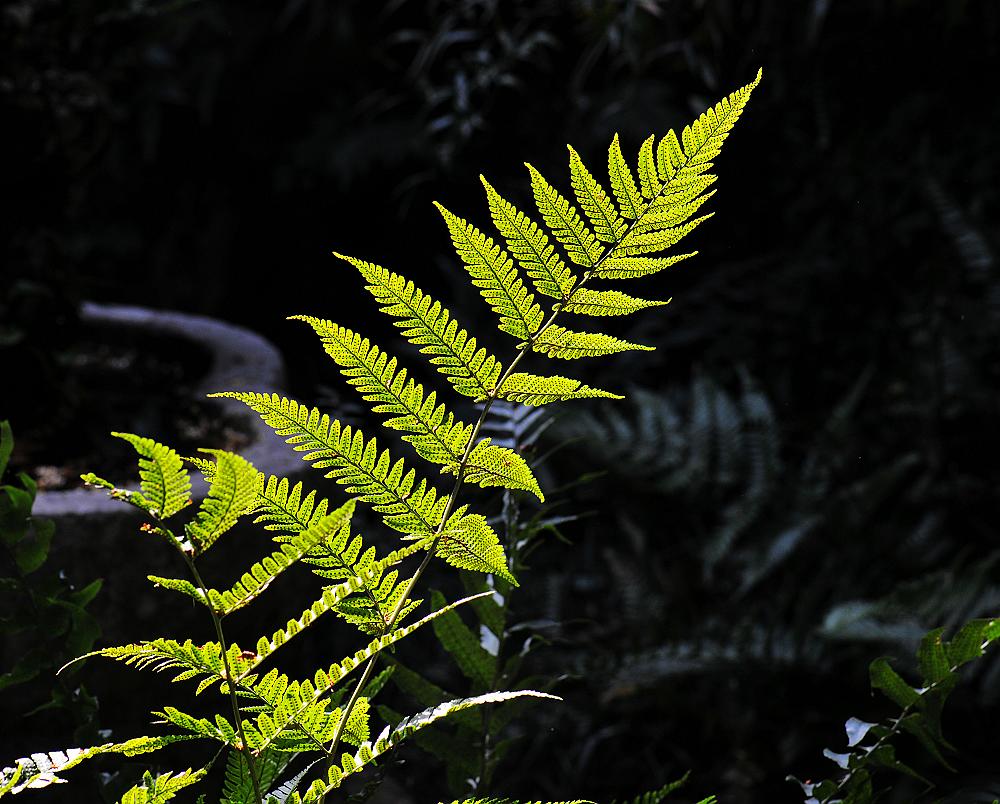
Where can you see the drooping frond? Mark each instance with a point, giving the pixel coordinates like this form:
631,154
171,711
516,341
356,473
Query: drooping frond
493,272
231,493
165,482
42,770
408,506
566,344
565,223
426,324
530,246
389,739
161,788
193,661
607,302
433,431
532,389
255,580
634,267
604,218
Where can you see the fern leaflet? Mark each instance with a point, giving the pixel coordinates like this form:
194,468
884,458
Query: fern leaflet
564,222
156,790
607,302
426,324
165,483
496,277
232,491
566,344
532,389
530,246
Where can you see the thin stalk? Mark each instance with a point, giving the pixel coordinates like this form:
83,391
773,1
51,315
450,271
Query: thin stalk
230,680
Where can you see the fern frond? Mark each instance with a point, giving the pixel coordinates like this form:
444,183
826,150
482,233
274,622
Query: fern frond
204,662
389,739
493,272
238,785
255,580
623,184
490,466
607,302
412,508
649,181
634,267
41,770
376,593
290,702
566,344
660,793
280,508
530,246
429,326
408,506
640,240
231,493
162,788
430,428
219,729
165,482
457,638
564,221
468,542
604,218
532,389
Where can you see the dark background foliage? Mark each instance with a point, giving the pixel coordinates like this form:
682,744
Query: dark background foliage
820,482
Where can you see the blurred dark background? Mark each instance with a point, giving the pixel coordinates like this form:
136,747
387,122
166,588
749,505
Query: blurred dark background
805,476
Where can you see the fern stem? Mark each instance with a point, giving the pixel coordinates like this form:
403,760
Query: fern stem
230,680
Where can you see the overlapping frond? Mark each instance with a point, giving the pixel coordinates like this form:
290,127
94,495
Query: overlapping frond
41,770
291,704
408,506
389,739
565,223
256,579
343,558
426,324
530,246
432,430
457,638
532,389
490,465
413,508
165,482
231,493
280,506
493,272
602,214
238,785
567,344
161,788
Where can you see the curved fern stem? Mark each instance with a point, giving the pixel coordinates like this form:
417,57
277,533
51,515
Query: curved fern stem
230,682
